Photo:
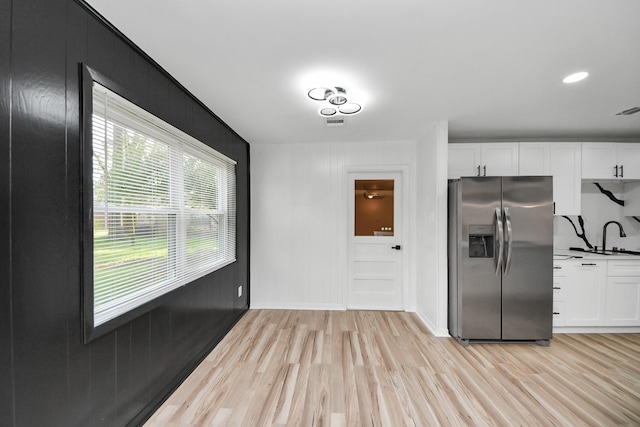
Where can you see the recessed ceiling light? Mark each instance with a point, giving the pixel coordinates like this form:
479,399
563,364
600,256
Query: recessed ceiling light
575,77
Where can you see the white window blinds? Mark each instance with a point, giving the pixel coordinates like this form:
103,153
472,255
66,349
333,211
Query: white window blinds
163,207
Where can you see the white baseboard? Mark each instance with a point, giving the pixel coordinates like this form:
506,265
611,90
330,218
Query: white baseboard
295,306
438,332
597,330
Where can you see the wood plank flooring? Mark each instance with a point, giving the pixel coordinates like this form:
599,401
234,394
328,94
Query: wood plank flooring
369,368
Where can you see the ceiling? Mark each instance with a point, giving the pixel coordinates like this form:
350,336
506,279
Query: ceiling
492,68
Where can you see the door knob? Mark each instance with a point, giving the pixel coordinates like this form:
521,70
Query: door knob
396,247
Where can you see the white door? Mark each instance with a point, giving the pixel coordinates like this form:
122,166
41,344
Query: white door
375,244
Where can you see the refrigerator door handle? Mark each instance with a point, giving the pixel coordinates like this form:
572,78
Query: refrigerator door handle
508,238
499,241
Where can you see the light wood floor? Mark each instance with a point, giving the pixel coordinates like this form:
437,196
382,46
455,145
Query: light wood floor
366,368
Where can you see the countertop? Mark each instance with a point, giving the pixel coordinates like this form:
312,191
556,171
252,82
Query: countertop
560,254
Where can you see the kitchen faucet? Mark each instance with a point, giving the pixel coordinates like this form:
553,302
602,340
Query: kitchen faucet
604,234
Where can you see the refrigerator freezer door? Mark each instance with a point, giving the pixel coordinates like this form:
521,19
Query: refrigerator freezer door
478,287
527,282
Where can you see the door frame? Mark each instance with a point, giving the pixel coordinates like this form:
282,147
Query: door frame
407,249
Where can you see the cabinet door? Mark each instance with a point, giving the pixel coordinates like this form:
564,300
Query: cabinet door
599,160
585,299
623,301
500,159
558,314
559,293
464,160
623,267
559,288
629,159
565,166
533,158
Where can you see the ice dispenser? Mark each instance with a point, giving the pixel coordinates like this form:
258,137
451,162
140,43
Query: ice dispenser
481,240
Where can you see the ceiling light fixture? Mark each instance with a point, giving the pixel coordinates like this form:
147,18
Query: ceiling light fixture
336,101
373,195
339,97
575,77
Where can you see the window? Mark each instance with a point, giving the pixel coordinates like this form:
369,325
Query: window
162,210
373,202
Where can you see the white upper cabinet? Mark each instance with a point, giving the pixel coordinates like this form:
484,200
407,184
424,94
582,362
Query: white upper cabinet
599,161
629,160
463,160
500,159
610,160
565,165
534,159
486,159
562,161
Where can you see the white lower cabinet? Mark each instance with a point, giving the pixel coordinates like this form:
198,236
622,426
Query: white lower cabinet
596,293
585,293
623,293
559,293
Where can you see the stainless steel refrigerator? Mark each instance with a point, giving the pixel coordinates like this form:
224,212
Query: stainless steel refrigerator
501,259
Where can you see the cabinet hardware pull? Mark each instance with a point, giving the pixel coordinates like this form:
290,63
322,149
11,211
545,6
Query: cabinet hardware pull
478,170
555,312
557,287
485,170
557,267
588,263
621,171
616,174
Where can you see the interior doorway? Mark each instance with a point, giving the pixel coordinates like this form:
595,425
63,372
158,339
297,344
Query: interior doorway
375,246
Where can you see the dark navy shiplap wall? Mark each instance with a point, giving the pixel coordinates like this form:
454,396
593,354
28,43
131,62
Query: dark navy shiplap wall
47,376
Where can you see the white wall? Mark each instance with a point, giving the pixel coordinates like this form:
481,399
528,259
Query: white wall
432,228
299,222
295,226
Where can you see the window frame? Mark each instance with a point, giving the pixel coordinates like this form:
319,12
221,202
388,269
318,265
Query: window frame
91,330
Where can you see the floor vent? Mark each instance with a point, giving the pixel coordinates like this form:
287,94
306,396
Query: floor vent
336,121
629,112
